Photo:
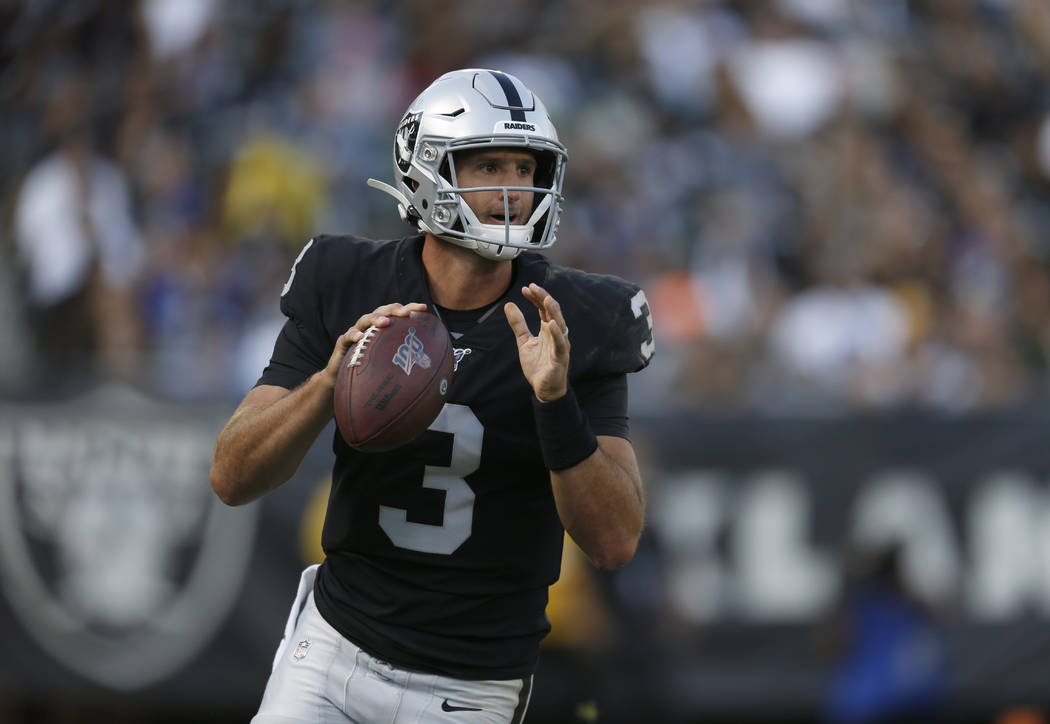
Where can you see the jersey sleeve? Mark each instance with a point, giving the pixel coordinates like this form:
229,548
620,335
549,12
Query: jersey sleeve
610,324
631,341
611,333
304,345
604,402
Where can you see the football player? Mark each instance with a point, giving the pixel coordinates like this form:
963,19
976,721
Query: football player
430,603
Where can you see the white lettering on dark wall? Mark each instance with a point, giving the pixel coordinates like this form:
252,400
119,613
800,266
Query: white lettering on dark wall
995,555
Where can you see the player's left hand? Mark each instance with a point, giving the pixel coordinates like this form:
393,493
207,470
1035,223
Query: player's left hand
544,357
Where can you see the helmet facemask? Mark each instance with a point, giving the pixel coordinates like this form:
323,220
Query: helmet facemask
453,218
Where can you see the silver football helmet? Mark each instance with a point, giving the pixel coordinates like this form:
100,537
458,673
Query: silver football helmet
464,110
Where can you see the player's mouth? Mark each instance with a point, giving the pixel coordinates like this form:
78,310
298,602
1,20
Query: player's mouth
502,219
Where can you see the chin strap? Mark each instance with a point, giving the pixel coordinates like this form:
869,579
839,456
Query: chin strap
409,209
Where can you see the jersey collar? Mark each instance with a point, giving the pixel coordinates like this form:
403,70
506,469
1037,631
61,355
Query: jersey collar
412,286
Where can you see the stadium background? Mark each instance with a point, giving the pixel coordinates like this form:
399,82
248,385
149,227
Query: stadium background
838,209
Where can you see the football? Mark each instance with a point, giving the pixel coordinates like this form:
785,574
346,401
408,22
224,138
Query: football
393,382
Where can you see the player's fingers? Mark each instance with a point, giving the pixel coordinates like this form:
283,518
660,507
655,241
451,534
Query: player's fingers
347,340
403,310
553,310
516,320
536,294
558,340
343,343
371,319
380,316
394,309
377,318
547,305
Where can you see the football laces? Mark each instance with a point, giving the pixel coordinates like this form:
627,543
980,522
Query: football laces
359,350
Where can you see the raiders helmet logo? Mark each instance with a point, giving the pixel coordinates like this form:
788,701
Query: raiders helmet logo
405,140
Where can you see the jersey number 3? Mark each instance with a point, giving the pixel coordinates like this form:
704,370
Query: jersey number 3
640,306
467,433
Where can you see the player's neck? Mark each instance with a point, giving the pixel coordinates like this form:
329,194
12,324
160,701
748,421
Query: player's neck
460,279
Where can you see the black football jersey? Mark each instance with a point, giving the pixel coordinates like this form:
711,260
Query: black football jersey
439,554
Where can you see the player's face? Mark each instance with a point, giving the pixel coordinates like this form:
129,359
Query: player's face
497,167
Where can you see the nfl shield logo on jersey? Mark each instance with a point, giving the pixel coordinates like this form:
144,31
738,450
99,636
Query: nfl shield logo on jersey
300,650
458,354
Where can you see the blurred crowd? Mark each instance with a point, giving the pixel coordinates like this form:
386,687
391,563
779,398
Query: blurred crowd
832,204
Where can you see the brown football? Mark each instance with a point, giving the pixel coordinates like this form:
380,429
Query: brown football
393,382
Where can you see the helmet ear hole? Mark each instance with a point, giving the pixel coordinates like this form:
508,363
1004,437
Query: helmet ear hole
546,162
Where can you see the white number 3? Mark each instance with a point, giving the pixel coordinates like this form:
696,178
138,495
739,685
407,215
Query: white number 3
640,306
467,433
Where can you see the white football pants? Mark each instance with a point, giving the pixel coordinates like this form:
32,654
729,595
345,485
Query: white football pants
321,677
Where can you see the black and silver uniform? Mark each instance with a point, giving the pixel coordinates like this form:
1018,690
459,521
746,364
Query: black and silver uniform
439,554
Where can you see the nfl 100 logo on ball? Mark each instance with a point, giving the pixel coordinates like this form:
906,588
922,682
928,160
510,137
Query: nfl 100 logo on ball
114,554
393,383
411,352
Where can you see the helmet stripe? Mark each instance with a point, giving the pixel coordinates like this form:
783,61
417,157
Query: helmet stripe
513,99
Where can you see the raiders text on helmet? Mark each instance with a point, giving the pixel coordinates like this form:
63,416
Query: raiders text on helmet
465,110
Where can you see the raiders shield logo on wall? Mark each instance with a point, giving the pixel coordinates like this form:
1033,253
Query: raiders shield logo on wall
114,553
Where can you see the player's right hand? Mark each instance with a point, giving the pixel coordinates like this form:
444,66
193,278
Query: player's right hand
380,317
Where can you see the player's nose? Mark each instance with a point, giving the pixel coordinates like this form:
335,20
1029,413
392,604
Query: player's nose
511,194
